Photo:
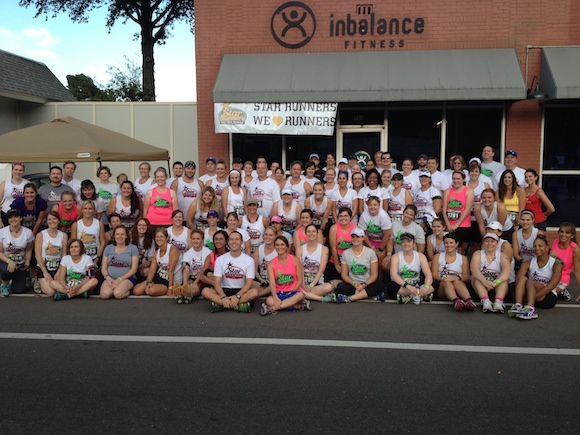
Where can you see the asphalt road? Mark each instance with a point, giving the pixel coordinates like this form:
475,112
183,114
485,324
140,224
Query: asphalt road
150,366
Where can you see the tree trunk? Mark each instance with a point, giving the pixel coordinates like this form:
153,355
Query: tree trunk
147,46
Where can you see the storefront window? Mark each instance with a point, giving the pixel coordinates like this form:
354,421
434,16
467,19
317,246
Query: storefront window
562,138
564,192
469,130
561,161
251,146
300,147
414,132
353,143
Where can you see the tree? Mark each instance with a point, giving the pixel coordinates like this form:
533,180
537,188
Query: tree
85,89
125,82
155,18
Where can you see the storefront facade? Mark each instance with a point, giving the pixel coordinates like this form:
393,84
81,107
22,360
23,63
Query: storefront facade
407,77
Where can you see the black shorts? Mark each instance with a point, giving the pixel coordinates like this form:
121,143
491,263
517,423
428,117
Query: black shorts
462,234
40,273
474,234
548,302
231,291
158,280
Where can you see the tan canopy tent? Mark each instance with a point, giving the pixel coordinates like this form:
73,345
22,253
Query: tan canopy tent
72,139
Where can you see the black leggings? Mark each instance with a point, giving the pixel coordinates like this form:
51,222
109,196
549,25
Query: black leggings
372,289
18,278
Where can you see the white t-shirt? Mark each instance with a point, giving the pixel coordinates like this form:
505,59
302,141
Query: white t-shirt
76,272
195,259
267,192
15,247
234,270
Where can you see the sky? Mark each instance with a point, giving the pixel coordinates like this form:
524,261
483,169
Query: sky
88,48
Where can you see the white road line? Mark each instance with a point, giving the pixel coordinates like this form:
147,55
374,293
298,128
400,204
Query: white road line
296,342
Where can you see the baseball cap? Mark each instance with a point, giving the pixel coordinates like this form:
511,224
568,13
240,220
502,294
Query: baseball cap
511,153
211,159
397,176
358,232
425,174
212,213
286,191
276,219
423,156
352,157
495,225
13,212
252,200
237,160
343,160
407,236
314,155
475,159
189,164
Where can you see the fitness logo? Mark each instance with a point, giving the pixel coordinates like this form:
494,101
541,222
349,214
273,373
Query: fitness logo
293,24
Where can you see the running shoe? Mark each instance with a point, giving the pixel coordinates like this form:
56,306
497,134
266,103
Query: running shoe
343,299
267,309
403,299
5,288
498,307
216,307
515,310
85,295
303,305
331,297
243,308
565,295
528,313
459,305
428,298
380,297
487,306
36,286
470,305
60,296
179,299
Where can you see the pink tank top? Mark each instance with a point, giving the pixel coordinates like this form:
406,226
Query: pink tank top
456,206
67,219
285,276
160,207
566,256
343,239
302,236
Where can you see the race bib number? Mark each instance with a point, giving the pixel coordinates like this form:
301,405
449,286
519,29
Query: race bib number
91,251
513,216
52,263
309,278
453,215
239,209
396,217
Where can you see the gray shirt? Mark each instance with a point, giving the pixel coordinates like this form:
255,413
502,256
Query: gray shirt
359,268
119,264
51,194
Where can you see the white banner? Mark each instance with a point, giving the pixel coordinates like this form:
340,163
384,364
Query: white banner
275,118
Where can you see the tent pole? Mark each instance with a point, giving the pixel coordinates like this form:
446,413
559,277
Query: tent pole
168,168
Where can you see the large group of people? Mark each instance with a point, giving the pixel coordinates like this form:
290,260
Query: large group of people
340,233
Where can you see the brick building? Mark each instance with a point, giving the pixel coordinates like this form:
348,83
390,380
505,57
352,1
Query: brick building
409,77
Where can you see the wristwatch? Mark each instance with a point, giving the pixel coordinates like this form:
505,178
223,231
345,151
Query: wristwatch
238,296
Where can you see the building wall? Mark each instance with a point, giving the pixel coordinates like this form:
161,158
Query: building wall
224,27
166,125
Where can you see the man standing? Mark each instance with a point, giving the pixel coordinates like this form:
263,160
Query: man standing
187,187
489,166
510,161
387,162
438,180
51,192
330,162
233,277
265,190
177,173
378,161
238,165
69,169
210,174
421,163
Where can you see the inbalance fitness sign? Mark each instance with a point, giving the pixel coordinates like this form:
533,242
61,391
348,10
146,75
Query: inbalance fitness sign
293,25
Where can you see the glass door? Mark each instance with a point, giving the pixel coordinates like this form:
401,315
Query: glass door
361,142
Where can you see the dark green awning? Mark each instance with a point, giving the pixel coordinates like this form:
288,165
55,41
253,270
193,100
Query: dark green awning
437,75
560,76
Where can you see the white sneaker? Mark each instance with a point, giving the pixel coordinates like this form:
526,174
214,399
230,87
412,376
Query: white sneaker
487,306
498,307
